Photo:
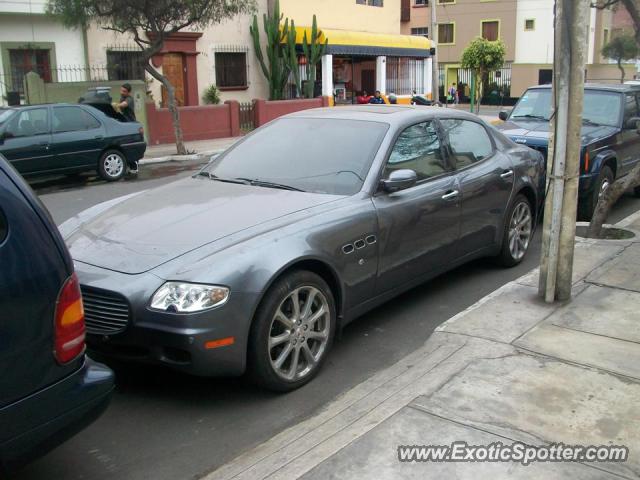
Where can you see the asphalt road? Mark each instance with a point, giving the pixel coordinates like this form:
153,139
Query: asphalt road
166,426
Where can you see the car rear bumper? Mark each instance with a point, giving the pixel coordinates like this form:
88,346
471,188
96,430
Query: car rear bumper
134,151
36,424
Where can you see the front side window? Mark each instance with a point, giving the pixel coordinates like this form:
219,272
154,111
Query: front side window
469,141
28,123
311,154
72,119
231,70
418,148
630,106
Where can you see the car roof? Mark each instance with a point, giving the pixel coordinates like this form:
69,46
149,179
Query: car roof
64,104
390,114
613,87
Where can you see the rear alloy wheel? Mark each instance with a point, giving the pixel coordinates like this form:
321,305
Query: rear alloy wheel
292,332
518,232
112,165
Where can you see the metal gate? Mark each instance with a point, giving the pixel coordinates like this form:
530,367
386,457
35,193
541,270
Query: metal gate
246,116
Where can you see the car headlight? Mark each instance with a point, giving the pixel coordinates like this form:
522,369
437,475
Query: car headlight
181,297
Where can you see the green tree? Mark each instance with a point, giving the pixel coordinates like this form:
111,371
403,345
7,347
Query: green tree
621,48
482,56
150,23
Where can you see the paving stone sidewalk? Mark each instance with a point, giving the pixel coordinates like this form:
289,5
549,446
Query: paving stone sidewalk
510,368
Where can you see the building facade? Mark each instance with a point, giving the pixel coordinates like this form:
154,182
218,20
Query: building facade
526,28
32,41
220,55
366,49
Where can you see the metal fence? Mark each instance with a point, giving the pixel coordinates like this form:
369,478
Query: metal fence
12,83
405,75
497,83
246,116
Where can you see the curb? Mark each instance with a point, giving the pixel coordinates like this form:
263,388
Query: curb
201,156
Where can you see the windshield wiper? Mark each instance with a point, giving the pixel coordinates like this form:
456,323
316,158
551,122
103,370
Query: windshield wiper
211,176
528,115
264,183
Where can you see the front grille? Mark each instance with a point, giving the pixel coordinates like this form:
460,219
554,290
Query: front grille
105,312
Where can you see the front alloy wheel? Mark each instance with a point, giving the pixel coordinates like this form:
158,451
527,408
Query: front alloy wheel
292,332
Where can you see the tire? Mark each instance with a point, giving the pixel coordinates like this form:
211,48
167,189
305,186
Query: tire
518,232
586,209
636,192
273,368
112,165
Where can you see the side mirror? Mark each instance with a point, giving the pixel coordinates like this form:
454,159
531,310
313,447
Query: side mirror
503,115
632,123
399,180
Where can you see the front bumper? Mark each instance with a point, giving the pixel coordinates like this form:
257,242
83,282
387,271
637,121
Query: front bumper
179,341
36,424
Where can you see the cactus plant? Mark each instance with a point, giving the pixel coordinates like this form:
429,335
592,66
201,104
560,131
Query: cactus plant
278,70
291,54
313,50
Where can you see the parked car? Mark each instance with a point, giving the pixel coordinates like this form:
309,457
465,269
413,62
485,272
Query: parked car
310,221
66,138
49,389
610,135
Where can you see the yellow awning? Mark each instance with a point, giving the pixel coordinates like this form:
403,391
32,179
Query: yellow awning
348,42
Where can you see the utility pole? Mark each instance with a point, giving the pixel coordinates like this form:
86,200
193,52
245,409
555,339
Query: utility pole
563,163
435,75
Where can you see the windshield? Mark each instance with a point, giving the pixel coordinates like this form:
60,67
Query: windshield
4,115
599,107
311,154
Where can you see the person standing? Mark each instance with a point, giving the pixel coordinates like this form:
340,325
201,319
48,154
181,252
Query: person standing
126,105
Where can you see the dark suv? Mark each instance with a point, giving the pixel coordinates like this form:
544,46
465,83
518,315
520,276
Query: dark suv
49,389
610,135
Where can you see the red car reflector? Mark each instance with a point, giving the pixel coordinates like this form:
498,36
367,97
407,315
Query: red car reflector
69,322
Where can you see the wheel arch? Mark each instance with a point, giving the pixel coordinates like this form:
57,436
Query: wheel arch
315,265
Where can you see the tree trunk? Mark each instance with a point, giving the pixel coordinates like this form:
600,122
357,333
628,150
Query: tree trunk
611,196
173,109
621,70
633,7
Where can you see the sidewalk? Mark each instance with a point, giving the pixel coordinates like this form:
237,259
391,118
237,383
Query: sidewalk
509,368
198,150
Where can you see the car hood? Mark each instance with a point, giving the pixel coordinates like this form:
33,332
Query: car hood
144,231
537,131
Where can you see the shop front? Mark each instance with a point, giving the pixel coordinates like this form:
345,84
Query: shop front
359,63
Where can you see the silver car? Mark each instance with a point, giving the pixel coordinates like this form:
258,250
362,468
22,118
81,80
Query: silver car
256,261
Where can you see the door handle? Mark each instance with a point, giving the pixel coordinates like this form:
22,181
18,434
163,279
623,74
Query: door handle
451,195
98,137
506,174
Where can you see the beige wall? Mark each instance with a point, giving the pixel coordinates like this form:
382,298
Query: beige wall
344,15
233,33
467,16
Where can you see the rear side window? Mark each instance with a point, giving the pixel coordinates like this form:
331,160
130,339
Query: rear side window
4,227
30,122
630,106
72,119
469,141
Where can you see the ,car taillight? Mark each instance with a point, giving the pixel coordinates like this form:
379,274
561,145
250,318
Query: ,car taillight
69,322
586,161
